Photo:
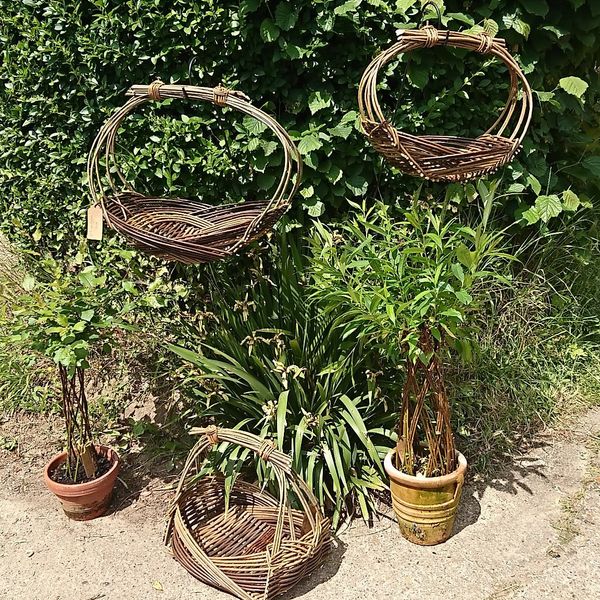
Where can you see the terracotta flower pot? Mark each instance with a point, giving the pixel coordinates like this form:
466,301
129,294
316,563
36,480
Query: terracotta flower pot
425,506
84,501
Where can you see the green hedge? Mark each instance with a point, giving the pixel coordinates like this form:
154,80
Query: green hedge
66,64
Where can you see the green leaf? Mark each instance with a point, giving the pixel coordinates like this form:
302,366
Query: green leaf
87,315
570,200
531,215
285,16
347,7
465,256
315,209
28,283
357,184
491,27
265,182
574,86
281,417
458,272
318,101
514,22
548,207
534,183
536,7
269,32
403,5
254,125
592,164
309,143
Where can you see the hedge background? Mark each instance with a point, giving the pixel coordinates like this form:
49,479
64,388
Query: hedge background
65,65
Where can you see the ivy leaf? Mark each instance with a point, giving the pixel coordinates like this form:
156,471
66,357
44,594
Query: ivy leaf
570,200
531,215
536,7
285,16
269,32
269,148
574,86
309,143
318,101
548,207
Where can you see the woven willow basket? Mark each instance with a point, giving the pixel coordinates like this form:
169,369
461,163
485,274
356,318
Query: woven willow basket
259,547
178,229
439,157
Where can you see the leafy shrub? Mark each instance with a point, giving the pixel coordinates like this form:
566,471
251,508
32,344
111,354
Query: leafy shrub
65,66
274,364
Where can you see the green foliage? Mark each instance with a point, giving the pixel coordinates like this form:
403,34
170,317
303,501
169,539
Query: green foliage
385,280
274,364
66,65
63,318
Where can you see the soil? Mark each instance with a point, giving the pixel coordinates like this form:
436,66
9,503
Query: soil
61,475
530,533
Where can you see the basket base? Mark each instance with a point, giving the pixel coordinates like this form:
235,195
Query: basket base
188,231
232,549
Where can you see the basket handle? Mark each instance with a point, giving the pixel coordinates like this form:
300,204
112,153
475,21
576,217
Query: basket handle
281,463
105,144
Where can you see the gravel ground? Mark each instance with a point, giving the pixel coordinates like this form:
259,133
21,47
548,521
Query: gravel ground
531,533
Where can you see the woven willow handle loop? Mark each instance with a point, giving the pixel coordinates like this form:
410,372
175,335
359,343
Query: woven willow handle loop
105,143
439,157
282,468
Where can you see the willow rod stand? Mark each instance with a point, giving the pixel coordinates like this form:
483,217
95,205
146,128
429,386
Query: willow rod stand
258,547
440,157
188,231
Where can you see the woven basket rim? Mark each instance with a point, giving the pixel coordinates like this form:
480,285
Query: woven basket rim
444,151
231,239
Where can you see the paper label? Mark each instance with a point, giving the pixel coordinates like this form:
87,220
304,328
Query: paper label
94,222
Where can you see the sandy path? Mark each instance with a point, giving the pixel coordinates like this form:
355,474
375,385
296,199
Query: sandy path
534,533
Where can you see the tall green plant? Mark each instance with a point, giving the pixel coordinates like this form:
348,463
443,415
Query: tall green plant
405,286
275,364
64,318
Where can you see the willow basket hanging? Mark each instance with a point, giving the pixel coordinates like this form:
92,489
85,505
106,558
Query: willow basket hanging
440,157
258,547
178,229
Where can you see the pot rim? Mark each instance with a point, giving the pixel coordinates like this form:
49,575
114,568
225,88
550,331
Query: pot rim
77,489
424,482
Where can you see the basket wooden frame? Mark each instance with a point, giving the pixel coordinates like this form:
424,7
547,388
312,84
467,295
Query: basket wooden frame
258,548
178,229
439,157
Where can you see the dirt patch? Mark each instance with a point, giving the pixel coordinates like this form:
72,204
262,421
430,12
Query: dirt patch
506,546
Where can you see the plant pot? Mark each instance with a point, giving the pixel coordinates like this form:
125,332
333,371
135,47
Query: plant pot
84,501
425,506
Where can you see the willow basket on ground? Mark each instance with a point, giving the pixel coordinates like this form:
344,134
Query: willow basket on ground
439,157
187,231
258,547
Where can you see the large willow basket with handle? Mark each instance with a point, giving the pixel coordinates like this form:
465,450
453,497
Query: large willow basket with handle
179,229
255,546
441,157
